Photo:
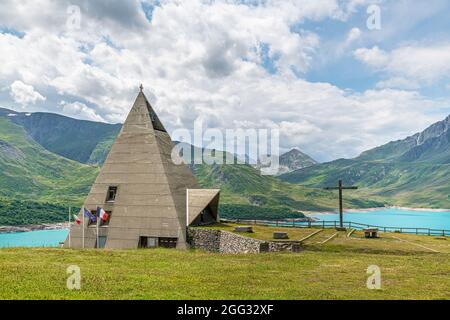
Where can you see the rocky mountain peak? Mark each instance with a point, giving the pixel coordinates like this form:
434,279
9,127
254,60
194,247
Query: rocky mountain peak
294,160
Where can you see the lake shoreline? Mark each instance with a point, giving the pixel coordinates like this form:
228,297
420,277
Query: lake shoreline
65,225
375,209
34,227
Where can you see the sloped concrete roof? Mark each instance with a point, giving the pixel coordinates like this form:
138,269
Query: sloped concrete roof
200,199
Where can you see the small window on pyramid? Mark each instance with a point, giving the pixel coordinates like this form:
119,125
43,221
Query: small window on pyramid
111,195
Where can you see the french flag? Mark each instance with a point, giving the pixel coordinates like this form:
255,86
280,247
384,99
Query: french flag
102,214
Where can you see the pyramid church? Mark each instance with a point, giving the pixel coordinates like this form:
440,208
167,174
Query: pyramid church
150,200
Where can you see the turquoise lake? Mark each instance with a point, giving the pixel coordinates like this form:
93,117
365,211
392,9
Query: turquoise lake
398,218
383,217
41,238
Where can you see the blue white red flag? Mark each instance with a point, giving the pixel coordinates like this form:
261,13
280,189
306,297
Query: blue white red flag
102,214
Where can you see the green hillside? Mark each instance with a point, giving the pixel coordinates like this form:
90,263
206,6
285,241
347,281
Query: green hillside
243,186
245,193
79,140
411,172
21,212
31,172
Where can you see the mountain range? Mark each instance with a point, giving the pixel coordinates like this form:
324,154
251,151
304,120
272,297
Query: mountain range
48,163
411,172
79,140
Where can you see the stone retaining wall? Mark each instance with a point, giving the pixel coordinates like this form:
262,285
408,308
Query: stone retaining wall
228,242
207,239
234,243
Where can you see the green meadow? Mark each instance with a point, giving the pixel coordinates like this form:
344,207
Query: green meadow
412,267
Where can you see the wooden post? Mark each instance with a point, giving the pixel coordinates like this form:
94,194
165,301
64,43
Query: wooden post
187,209
340,187
83,229
341,206
98,222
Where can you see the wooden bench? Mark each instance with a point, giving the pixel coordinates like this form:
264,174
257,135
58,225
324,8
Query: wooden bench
280,235
248,229
371,233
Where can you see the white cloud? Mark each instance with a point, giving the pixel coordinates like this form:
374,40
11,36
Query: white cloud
399,83
425,65
374,57
24,94
199,59
353,35
80,110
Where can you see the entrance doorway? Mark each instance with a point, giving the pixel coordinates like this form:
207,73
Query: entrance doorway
101,242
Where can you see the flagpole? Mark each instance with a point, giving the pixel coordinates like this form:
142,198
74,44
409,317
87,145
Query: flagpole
187,208
83,228
97,227
70,212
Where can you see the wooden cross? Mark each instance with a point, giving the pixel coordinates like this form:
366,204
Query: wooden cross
340,187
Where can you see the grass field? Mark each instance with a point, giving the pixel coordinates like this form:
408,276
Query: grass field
412,267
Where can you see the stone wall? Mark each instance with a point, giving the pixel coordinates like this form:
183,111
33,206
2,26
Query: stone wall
206,239
234,243
223,241
228,242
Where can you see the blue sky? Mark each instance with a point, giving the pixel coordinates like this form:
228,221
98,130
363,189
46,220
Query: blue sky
343,70
312,69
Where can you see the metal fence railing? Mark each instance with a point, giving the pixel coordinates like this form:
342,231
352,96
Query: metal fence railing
335,224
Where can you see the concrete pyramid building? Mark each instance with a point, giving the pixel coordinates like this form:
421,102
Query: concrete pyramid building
143,191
